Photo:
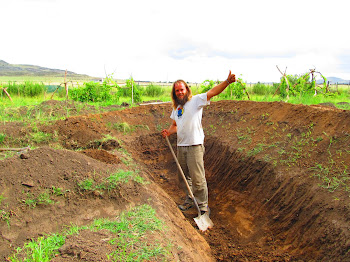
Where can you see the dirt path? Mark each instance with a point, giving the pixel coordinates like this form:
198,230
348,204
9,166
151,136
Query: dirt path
260,162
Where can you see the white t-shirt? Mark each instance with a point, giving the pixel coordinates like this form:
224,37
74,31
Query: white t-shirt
189,121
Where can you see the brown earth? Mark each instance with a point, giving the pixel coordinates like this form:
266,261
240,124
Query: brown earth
278,177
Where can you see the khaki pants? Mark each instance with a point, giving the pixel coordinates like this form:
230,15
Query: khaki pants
192,164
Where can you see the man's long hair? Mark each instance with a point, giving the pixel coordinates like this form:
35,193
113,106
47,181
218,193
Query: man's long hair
174,97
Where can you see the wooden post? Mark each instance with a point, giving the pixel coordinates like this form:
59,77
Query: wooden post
5,91
65,84
132,91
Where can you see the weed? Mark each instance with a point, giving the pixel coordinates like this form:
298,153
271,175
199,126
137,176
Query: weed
4,215
57,191
240,149
161,126
43,249
122,127
256,150
111,182
332,179
86,185
131,228
43,198
146,127
31,201
2,138
40,137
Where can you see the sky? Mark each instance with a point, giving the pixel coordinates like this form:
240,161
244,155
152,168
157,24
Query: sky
161,40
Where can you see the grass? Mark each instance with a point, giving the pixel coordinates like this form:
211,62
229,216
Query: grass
43,198
131,241
2,138
4,215
111,182
125,128
295,150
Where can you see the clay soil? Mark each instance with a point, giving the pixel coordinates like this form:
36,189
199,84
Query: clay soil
278,178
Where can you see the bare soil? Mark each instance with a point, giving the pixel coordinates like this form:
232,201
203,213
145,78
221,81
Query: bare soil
267,202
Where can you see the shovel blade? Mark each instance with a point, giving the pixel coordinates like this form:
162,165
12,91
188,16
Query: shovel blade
204,222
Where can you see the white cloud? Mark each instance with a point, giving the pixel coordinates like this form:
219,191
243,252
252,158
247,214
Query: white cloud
166,40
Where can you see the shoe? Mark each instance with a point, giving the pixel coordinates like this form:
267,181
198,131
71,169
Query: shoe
185,206
205,212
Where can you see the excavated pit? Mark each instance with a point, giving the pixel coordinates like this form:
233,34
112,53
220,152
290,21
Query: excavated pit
266,201
259,213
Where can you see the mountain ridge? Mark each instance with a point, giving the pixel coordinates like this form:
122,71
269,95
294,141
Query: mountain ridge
7,69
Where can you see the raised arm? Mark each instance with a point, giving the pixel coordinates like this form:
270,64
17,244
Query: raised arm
221,87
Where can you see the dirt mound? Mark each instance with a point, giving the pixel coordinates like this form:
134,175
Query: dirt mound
277,175
42,195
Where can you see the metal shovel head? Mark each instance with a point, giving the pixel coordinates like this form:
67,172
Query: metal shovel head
204,222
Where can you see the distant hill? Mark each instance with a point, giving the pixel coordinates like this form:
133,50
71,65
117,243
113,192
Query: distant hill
333,80
7,69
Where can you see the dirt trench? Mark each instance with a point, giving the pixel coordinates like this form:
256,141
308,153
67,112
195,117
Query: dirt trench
262,211
259,215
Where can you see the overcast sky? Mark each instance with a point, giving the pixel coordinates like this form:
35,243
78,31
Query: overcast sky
160,40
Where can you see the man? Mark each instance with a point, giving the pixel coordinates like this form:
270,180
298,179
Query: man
187,123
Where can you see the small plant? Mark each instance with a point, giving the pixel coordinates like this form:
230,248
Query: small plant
122,127
111,182
42,199
57,191
4,215
256,150
86,184
30,200
2,138
40,137
43,249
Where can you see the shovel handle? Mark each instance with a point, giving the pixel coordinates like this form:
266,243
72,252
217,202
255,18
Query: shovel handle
183,175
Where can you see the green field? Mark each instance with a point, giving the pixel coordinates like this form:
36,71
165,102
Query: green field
92,91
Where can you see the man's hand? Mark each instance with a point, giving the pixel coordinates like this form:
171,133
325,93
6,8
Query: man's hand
165,133
221,87
231,78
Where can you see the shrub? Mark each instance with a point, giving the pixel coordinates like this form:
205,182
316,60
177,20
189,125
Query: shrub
153,90
261,89
92,92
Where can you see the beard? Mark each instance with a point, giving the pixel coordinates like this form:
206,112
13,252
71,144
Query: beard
182,101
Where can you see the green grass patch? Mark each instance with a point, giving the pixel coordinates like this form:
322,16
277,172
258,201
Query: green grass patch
125,128
43,198
131,243
2,138
111,182
4,215
332,178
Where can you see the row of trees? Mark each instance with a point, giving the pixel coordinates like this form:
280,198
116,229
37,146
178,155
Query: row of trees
289,85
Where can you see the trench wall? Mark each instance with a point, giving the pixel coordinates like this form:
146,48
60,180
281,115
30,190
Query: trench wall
293,210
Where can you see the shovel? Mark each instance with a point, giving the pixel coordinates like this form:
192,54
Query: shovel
203,221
